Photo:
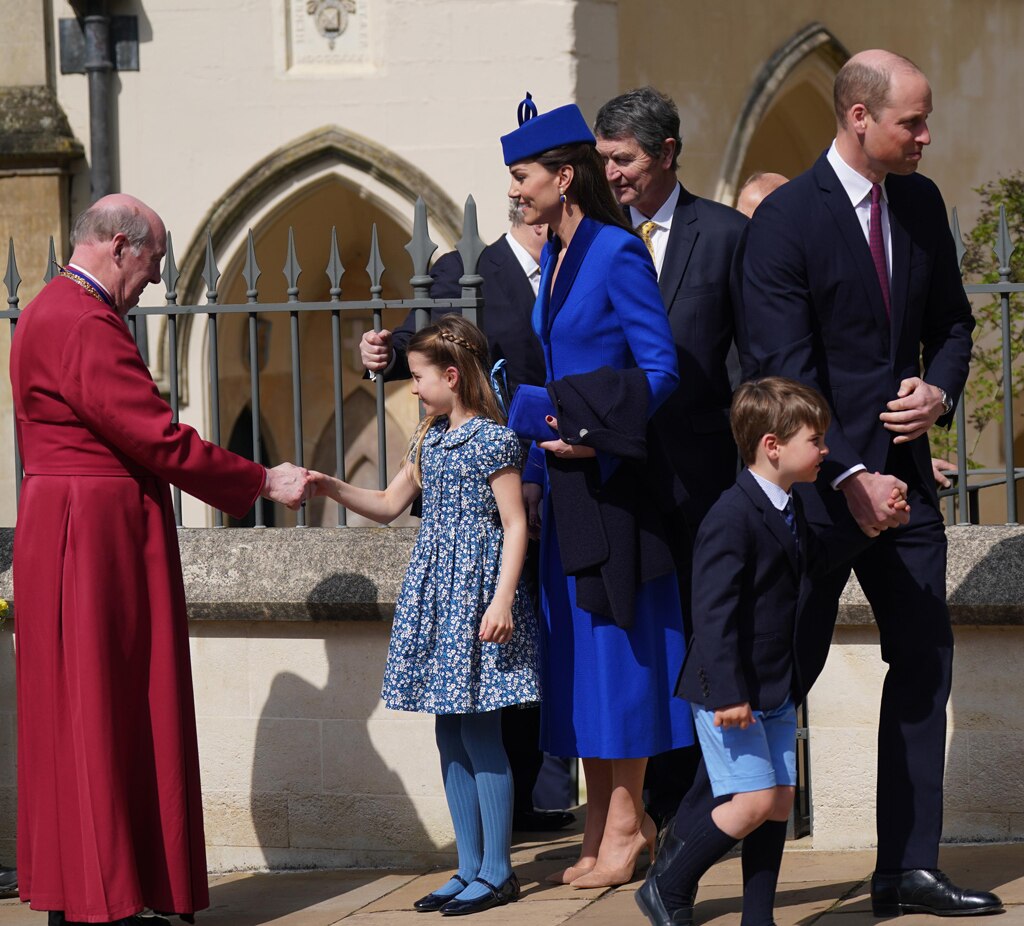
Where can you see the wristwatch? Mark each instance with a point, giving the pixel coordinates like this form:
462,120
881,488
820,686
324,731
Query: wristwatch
947,405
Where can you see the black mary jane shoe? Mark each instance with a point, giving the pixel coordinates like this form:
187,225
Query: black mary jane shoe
923,890
433,902
495,897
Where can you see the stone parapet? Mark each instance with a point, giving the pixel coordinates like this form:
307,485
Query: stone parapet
346,574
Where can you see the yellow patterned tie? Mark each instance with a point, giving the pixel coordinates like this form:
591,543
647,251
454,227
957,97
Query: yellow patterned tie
645,232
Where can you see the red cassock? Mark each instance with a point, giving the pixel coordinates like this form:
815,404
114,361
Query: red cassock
109,807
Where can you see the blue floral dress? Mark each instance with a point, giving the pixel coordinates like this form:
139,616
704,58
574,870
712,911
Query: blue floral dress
436,662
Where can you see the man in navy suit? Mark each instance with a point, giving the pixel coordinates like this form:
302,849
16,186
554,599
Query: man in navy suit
851,284
692,242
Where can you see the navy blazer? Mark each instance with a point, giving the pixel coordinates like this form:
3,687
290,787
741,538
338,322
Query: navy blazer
813,309
698,284
508,307
749,579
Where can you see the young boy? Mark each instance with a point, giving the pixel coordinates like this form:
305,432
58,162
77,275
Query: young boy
751,567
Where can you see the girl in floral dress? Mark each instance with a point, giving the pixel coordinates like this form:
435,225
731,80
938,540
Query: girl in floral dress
464,640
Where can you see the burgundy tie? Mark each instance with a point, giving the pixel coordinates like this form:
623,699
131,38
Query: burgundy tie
877,245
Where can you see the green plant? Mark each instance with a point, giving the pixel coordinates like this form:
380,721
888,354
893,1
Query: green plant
983,395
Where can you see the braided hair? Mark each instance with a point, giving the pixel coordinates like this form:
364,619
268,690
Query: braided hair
455,342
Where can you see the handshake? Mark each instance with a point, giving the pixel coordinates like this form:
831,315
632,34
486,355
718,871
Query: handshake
291,485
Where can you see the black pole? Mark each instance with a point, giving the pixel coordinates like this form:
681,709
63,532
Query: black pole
99,65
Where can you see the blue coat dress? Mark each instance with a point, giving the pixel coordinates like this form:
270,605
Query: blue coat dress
607,690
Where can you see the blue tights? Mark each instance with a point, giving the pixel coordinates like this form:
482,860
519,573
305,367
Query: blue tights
478,786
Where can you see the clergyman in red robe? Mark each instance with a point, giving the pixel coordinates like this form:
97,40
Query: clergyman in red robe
109,806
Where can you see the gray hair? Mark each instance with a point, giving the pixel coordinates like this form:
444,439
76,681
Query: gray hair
101,223
646,114
515,214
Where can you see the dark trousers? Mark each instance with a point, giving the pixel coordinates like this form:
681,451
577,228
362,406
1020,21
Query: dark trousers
903,575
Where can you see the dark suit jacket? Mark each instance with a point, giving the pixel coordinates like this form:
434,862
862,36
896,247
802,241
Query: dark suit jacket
749,578
508,307
813,309
697,287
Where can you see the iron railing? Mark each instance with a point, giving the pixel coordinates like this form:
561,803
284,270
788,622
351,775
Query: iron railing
420,249
961,500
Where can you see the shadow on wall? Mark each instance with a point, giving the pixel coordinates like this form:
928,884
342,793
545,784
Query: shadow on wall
322,791
984,800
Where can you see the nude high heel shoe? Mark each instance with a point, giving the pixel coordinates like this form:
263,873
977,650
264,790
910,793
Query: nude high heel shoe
600,876
570,874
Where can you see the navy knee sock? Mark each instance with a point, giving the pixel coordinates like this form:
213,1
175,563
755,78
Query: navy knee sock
463,804
481,737
703,845
762,858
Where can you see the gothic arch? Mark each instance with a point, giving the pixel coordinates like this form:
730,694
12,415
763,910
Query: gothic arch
314,152
382,177
813,41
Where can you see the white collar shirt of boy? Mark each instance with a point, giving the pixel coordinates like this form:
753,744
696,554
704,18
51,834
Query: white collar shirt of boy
777,495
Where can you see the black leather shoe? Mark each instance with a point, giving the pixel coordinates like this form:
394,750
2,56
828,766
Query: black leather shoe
648,899
542,821
433,902
923,890
669,845
8,882
495,897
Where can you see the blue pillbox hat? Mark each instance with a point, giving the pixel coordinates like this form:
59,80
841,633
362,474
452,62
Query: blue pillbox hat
536,134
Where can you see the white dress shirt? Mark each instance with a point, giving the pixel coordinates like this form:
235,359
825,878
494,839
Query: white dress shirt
858,188
530,266
777,495
662,220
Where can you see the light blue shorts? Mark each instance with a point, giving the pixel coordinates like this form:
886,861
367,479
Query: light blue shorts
762,756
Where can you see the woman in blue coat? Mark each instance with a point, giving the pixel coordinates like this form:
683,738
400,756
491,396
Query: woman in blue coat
609,668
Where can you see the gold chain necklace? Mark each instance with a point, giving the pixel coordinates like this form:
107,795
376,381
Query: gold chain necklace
85,284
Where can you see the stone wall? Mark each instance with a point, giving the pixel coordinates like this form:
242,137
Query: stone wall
303,767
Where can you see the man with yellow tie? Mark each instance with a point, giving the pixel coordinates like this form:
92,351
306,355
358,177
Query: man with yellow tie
692,243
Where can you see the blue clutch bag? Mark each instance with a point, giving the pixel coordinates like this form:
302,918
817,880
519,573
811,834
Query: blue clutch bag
530,406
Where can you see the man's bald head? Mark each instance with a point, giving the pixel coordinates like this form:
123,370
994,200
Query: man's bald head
867,78
115,214
120,241
755,188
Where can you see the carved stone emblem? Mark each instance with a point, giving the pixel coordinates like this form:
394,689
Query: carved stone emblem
331,17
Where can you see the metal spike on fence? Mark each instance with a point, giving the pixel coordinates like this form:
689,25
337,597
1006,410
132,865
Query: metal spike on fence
1004,245
375,266
958,240
470,246
335,270
211,275
170,274
12,279
251,270
292,270
420,248
52,267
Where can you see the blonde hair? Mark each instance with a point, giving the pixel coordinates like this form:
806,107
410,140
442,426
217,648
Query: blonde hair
454,342
774,405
